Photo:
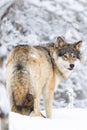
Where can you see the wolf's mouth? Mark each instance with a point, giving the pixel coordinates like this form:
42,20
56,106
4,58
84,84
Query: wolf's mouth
70,68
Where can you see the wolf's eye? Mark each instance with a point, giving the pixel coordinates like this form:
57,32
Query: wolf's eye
65,56
74,56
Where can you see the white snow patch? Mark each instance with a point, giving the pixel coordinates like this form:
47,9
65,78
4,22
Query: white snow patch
4,102
63,119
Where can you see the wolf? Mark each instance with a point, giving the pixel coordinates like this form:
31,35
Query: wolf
35,70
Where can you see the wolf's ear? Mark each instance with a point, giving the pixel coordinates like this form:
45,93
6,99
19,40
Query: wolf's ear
59,42
77,45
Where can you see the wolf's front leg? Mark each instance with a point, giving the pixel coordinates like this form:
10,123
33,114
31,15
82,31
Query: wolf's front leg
37,108
48,93
36,103
48,104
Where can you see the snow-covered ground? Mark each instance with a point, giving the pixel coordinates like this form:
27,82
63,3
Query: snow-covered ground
63,119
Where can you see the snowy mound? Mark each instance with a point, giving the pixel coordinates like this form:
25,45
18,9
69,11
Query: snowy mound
63,119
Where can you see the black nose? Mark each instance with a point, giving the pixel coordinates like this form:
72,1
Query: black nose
71,66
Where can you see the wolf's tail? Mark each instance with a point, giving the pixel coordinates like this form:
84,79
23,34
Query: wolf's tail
26,107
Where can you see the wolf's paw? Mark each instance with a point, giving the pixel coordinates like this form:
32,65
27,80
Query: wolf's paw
39,114
43,115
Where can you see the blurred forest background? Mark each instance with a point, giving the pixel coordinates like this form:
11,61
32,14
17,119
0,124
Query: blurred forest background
41,21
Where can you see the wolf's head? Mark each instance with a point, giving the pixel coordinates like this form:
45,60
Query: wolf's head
67,55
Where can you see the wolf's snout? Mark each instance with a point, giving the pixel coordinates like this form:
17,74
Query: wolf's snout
72,66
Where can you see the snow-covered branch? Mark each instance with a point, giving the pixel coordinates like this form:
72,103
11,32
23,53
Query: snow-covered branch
4,108
4,8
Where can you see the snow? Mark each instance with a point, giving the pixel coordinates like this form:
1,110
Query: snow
3,51
63,119
2,2
4,101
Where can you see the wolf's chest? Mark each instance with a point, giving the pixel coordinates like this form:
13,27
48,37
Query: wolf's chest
58,80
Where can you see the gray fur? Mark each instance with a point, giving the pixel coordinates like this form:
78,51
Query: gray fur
69,49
